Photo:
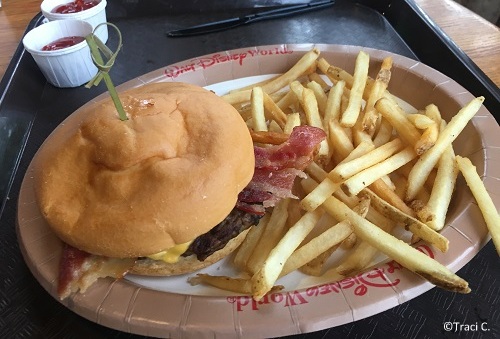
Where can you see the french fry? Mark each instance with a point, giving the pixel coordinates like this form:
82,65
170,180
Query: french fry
385,192
314,248
420,121
287,101
415,226
318,174
258,115
263,280
404,254
292,120
362,209
428,160
310,106
333,102
319,93
359,135
484,201
371,116
429,125
319,80
384,133
335,73
315,266
377,155
327,186
266,137
302,66
339,140
259,84
350,116
362,179
238,285
315,198
274,110
247,247
361,256
270,236
434,213
398,119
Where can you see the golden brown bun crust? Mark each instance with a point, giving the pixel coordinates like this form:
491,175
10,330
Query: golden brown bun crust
134,188
185,265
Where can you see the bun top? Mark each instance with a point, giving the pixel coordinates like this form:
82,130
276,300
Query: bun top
134,188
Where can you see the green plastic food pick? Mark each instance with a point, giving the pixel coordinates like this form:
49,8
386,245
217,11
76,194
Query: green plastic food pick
96,48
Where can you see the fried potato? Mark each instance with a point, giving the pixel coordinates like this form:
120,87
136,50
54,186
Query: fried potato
292,120
364,178
319,93
415,226
399,120
404,254
302,66
248,246
258,116
371,116
350,116
348,169
434,212
270,236
361,256
275,112
263,280
429,159
311,109
265,137
314,248
327,186
484,201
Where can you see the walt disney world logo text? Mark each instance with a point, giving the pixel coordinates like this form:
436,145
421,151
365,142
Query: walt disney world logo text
208,61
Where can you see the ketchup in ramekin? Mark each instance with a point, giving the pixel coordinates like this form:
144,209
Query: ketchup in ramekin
75,6
63,43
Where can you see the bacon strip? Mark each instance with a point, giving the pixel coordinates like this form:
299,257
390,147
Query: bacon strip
78,270
297,152
276,168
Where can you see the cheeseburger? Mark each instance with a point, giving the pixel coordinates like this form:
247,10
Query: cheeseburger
152,187
170,190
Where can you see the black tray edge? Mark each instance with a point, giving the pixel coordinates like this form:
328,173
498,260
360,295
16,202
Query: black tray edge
16,58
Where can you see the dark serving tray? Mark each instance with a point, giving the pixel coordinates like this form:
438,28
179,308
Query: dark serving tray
30,109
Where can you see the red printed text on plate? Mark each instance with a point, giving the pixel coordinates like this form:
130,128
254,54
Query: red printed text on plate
208,61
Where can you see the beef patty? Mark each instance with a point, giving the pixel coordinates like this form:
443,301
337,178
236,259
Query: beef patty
236,222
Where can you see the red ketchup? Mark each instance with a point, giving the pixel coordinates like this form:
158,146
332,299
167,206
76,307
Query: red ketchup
75,6
63,43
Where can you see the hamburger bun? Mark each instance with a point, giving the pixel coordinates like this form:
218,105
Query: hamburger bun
133,188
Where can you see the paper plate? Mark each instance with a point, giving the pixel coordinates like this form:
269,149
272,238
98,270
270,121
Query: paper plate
172,308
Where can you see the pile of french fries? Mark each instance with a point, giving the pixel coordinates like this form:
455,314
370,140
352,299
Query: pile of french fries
379,169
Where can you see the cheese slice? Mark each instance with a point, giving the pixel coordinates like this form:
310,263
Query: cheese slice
172,254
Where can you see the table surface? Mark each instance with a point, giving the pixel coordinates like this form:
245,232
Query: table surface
477,37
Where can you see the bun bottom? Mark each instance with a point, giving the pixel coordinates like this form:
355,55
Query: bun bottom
185,265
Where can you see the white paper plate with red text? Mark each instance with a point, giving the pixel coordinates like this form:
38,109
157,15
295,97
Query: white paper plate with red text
171,307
